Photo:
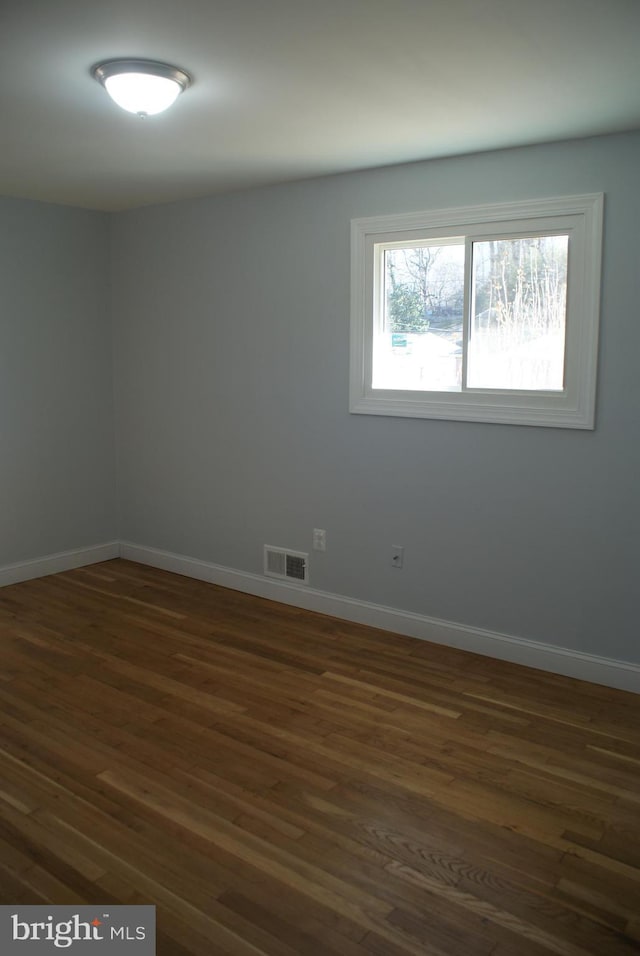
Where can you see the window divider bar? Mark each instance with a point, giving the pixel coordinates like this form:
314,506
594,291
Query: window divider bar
467,306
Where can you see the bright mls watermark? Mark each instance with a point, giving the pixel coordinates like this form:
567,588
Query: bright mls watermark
79,930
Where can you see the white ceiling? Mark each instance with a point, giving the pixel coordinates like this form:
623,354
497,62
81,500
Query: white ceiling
286,89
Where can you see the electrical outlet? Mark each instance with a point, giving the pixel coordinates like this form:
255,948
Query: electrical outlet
319,539
397,556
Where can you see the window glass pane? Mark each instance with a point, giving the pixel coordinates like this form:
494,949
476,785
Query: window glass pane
518,317
419,341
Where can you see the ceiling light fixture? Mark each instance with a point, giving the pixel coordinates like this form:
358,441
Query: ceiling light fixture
144,87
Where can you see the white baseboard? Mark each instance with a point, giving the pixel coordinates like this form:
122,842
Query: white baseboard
623,675
53,563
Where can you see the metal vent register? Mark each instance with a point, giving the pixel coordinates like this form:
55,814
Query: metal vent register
289,565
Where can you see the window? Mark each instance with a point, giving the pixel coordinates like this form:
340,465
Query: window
484,313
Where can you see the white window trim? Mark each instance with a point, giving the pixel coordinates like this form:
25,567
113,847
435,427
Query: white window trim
573,407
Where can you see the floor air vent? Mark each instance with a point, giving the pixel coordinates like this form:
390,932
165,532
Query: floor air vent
289,565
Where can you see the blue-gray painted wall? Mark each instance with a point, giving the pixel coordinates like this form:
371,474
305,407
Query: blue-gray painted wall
231,334
57,489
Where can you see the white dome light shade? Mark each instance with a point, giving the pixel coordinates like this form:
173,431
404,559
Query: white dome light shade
144,87
140,93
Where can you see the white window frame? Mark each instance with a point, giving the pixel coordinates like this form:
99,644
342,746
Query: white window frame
579,217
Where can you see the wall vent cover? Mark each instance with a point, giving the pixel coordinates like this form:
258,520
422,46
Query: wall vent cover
285,564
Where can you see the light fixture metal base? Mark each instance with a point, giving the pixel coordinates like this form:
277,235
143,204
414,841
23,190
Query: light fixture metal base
102,71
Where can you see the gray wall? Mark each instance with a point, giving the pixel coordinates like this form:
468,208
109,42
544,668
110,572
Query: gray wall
232,332
57,488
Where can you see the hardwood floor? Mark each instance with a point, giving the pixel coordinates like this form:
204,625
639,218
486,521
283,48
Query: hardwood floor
278,782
